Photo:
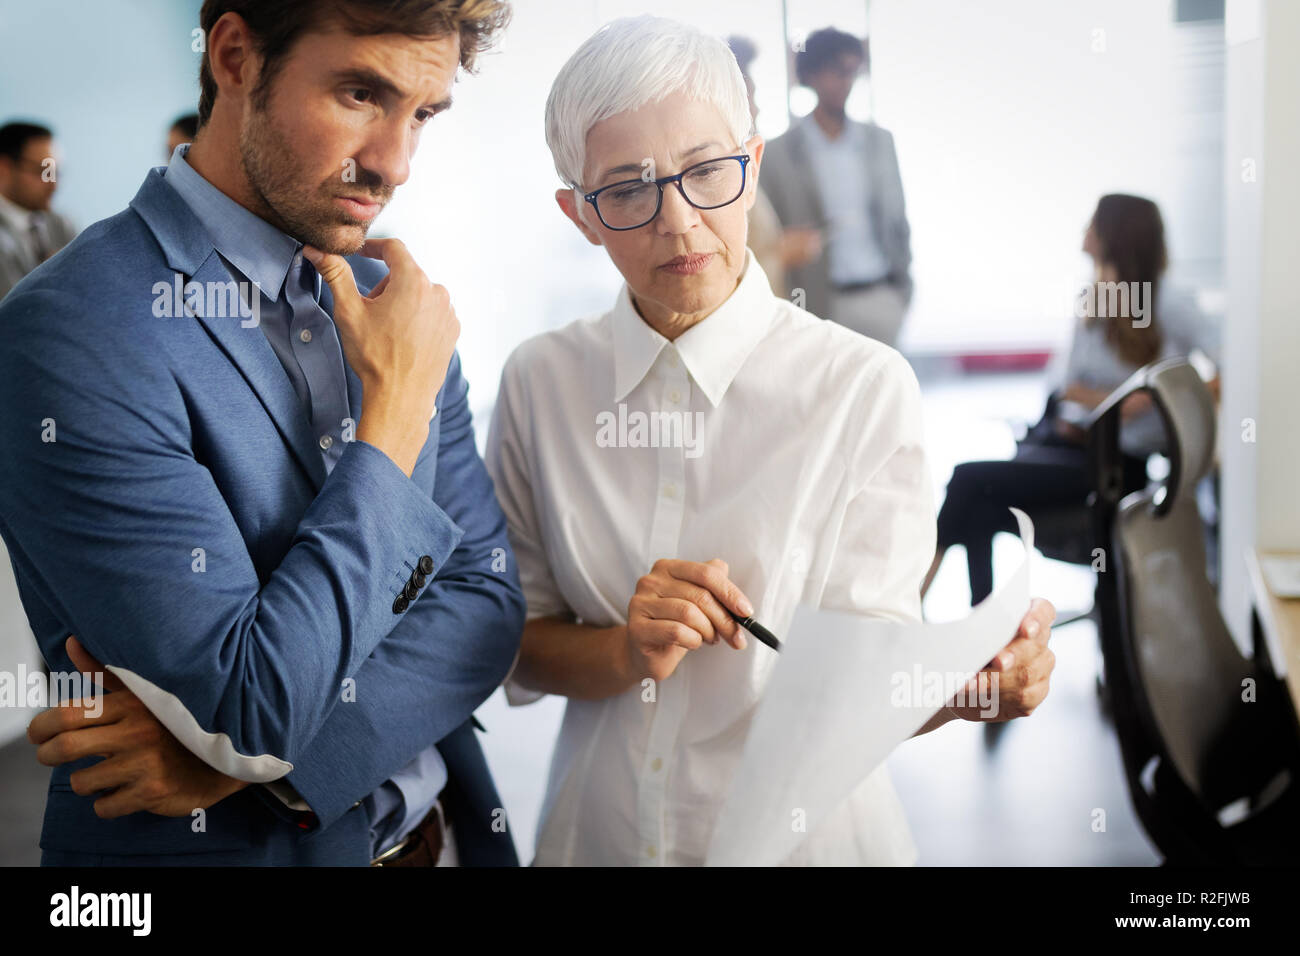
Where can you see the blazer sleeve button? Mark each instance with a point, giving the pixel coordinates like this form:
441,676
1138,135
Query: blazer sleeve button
411,592
426,565
400,604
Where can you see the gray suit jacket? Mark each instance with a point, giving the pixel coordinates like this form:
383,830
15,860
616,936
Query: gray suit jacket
16,258
788,179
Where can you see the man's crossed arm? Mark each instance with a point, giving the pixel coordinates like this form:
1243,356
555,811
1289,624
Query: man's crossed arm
417,683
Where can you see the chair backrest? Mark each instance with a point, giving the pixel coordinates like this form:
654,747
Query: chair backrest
1184,671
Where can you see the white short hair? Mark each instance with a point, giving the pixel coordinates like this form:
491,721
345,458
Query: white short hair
633,62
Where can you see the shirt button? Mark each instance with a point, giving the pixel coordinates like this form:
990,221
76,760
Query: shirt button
672,359
305,335
674,396
326,442
651,852
297,260
670,490
656,765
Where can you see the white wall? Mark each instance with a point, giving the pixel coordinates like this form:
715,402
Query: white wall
1011,118
1262,330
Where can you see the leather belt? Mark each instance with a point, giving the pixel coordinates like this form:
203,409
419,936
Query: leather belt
421,847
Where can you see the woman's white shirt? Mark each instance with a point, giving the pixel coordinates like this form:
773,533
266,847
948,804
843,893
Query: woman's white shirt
789,447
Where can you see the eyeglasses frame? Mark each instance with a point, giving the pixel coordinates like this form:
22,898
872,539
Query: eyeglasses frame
676,180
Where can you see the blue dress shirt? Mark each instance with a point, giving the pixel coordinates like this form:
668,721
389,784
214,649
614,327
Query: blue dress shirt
304,339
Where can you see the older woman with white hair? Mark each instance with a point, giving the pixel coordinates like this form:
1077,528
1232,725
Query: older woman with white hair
701,450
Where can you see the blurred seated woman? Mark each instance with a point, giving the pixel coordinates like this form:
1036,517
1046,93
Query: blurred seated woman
1128,319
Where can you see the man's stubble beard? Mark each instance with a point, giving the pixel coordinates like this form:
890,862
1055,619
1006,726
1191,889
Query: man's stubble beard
289,202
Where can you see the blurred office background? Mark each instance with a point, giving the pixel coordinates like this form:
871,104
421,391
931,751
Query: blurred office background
1011,117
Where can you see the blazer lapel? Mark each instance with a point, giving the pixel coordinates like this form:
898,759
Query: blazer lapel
807,179
875,185
190,253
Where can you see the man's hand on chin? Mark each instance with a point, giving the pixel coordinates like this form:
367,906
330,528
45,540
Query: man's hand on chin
1016,680
145,767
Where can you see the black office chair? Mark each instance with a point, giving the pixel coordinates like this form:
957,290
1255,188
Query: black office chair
1065,532
1194,751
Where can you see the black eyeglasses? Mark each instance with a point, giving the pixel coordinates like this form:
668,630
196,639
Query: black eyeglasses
634,203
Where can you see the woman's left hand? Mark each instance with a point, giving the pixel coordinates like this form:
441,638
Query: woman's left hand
1016,681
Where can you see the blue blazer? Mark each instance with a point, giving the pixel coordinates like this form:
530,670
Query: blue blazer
162,497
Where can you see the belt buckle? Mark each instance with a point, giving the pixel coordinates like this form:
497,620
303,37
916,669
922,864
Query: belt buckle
394,851
401,846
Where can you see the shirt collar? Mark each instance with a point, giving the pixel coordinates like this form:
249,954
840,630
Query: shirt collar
713,350
252,245
15,215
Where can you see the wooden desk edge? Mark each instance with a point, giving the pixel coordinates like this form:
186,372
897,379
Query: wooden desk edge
1279,620
1261,600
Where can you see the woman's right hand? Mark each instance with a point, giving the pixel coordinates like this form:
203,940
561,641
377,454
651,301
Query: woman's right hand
677,607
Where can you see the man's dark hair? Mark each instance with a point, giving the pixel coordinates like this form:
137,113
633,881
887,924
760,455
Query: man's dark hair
14,138
278,24
188,125
824,48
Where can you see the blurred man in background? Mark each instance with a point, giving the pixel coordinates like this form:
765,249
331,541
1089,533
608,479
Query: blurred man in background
30,232
841,176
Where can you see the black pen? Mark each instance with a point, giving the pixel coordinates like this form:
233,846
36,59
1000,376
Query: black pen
758,630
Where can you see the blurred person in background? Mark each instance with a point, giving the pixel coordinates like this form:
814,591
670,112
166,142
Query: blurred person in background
776,249
30,231
1126,242
841,177
182,131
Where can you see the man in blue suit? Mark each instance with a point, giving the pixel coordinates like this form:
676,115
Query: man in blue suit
300,601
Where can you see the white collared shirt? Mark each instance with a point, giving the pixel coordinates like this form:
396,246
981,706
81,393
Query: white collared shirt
19,221
796,457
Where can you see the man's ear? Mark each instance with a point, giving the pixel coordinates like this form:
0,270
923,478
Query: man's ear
567,199
232,56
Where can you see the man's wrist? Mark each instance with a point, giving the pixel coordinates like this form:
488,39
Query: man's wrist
399,440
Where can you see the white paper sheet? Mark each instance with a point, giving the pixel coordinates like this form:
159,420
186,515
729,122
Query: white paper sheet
845,692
